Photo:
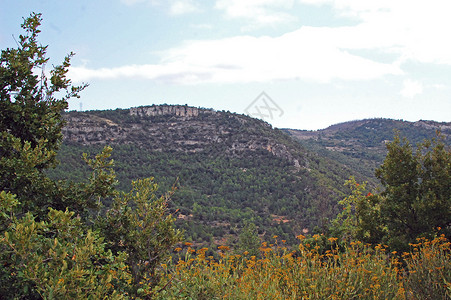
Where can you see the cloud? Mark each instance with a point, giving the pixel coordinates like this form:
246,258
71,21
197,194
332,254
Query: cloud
258,12
413,29
401,30
181,7
174,7
307,54
411,88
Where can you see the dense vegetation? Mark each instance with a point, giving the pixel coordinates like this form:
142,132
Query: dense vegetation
360,145
229,169
317,269
223,170
217,193
56,242
61,239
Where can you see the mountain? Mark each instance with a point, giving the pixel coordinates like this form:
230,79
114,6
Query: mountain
229,168
360,145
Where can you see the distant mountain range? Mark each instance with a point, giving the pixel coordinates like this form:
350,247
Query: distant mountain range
231,169
360,144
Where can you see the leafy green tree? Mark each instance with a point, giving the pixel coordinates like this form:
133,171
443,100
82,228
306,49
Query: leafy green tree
346,223
32,249
360,215
248,240
417,196
46,252
415,202
30,110
56,258
30,119
138,224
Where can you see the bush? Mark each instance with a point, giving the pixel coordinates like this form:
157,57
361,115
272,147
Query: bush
428,269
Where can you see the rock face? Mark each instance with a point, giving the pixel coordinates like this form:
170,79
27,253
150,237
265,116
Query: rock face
164,110
176,128
444,127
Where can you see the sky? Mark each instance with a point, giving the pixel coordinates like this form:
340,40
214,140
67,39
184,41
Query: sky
302,64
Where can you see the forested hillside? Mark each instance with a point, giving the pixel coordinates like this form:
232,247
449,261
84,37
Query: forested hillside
229,169
361,145
82,238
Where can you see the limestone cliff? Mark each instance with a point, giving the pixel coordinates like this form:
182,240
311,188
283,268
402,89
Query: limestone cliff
176,128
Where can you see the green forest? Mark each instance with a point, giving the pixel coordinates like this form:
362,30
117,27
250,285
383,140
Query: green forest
118,221
221,166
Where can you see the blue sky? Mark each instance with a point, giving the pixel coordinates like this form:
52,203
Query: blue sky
319,62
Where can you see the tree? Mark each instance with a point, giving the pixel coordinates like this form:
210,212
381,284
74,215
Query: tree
56,259
138,224
51,244
415,202
360,218
34,251
248,240
417,196
30,119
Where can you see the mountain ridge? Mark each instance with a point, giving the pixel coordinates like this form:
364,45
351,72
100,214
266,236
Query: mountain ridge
230,168
89,128
429,124
361,144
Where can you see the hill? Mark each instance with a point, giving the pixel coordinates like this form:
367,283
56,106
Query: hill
360,145
229,168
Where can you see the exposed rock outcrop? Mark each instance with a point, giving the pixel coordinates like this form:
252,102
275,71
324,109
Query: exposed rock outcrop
174,128
164,110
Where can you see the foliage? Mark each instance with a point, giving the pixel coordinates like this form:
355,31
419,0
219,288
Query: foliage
417,197
360,218
347,221
219,188
428,271
57,243
358,271
248,240
46,252
360,144
30,117
60,258
138,224
57,258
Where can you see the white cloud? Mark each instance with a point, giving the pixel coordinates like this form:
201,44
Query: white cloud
439,86
181,7
258,12
202,26
174,7
414,29
306,54
411,88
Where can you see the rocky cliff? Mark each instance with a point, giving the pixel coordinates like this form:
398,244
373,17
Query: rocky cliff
175,128
164,110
